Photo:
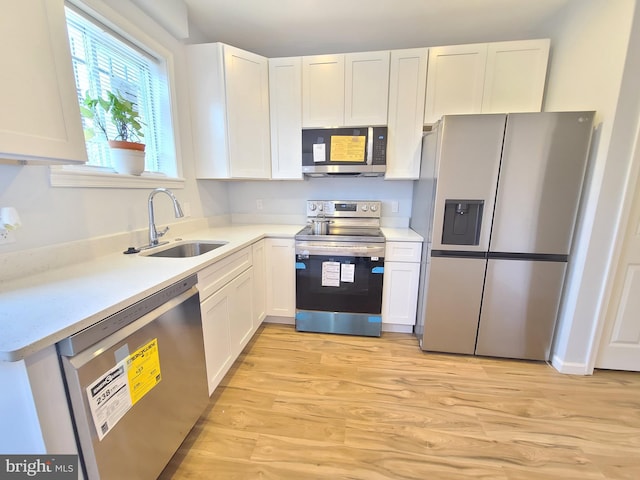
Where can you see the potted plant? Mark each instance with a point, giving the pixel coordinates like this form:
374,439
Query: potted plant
127,149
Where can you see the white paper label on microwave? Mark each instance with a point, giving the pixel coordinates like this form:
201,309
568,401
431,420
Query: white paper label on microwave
330,274
319,152
347,272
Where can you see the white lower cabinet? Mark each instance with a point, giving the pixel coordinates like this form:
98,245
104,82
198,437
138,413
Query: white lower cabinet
281,277
259,282
240,292
400,288
227,308
216,318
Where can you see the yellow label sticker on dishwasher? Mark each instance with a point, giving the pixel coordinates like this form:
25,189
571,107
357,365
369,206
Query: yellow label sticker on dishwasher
115,392
143,370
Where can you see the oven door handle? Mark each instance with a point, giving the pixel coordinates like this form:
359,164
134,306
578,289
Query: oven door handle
336,249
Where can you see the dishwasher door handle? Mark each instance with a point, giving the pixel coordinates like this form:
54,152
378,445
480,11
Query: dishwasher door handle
83,339
88,354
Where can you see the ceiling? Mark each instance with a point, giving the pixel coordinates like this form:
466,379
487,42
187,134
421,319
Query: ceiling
278,28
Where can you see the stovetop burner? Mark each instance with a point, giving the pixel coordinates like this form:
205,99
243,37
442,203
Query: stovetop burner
343,234
351,221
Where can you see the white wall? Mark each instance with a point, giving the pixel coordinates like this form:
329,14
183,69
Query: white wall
56,215
586,73
284,201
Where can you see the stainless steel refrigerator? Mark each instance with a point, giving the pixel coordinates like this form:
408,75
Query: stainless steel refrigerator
500,194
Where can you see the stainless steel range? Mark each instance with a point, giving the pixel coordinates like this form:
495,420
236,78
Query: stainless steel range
340,268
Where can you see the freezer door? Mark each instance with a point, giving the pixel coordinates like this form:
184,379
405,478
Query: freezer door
469,152
541,175
519,308
453,304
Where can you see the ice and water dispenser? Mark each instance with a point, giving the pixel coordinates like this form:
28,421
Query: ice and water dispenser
462,220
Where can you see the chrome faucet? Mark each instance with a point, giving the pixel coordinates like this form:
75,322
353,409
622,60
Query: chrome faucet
154,234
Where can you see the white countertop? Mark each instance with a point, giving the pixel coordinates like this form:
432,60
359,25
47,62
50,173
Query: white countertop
400,235
40,310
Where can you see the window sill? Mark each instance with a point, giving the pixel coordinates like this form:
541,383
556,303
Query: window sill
98,177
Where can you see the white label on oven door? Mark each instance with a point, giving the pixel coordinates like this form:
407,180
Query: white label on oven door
347,272
330,274
319,152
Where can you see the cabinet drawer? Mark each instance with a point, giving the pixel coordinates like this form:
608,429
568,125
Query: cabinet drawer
403,251
213,277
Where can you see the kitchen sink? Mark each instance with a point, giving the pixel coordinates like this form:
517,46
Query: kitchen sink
188,249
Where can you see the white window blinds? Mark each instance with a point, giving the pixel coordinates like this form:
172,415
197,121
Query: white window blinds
103,61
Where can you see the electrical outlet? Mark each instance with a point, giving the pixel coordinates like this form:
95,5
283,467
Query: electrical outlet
394,206
259,204
6,237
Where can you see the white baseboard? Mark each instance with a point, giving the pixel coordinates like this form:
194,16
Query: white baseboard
570,368
397,328
282,320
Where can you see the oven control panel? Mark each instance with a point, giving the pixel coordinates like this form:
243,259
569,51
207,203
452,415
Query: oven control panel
344,208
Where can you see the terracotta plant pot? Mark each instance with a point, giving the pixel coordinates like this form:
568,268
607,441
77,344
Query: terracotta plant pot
127,157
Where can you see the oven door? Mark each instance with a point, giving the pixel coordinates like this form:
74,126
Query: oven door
339,287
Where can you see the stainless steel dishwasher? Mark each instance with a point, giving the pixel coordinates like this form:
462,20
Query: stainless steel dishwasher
136,383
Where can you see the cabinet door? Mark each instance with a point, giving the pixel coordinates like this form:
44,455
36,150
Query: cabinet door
285,105
281,277
366,94
216,315
406,110
515,76
322,90
208,104
400,293
40,117
259,283
247,84
455,80
241,313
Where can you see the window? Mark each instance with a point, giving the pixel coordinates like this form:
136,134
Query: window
104,61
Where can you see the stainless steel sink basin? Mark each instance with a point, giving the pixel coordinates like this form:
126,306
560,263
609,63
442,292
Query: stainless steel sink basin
189,249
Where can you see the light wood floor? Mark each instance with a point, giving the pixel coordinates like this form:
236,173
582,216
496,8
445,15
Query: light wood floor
311,406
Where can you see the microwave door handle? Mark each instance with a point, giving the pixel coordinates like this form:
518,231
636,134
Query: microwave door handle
370,146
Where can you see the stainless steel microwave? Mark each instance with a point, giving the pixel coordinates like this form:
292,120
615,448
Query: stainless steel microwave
344,151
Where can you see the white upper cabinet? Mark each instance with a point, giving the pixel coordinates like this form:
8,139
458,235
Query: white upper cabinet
366,94
322,90
40,120
345,90
229,96
455,80
515,76
499,77
285,101
406,111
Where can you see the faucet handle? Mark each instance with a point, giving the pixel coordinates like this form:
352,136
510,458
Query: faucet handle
162,232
